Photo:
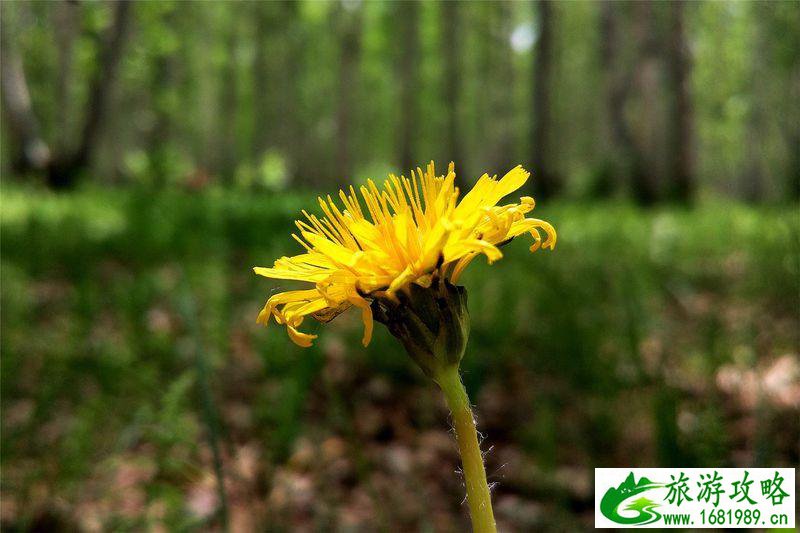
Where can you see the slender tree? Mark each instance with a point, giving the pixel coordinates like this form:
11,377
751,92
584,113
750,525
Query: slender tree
264,26
163,81
349,20
680,130
791,133
226,143
643,172
614,94
542,160
452,78
784,54
500,126
479,58
33,150
626,162
765,69
276,64
408,81
293,138
65,26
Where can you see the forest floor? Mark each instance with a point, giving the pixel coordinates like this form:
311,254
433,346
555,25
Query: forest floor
130,354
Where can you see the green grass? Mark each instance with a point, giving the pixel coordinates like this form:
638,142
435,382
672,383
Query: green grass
603,352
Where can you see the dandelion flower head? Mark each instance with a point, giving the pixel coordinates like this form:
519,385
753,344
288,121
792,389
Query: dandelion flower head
410,231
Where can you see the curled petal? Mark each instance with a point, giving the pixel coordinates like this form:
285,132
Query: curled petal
460,266
464,247
366,316
299,338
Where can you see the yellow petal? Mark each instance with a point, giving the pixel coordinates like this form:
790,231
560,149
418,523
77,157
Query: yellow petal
335,252
513,180
263,315
297,275
405,277
299,338
460,266
295,310
283,298
366,316
432,247
461,248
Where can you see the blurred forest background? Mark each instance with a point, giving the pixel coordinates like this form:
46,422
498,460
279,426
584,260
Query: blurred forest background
152,152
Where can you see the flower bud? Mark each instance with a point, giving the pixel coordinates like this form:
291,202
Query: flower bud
431,322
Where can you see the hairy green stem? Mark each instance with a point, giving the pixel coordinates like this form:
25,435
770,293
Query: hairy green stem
478,498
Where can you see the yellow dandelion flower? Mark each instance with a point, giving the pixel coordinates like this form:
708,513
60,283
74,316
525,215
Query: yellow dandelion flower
398,258
410,232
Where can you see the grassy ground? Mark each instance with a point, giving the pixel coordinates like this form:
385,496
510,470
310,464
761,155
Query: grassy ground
134,378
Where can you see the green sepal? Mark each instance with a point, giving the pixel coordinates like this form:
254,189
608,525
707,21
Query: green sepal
431,322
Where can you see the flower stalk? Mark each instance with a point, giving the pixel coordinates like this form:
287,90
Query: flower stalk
432,323
478,497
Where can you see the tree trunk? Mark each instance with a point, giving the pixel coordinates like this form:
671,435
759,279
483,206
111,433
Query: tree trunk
350,55
643,172
34,153
791,134
64,170
408,79
790,127
500,90
262,98
294,140
478,150
545,181
752,186
162,84
680,142
65,24
227,145
615,93
451,82
276,69
625,163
